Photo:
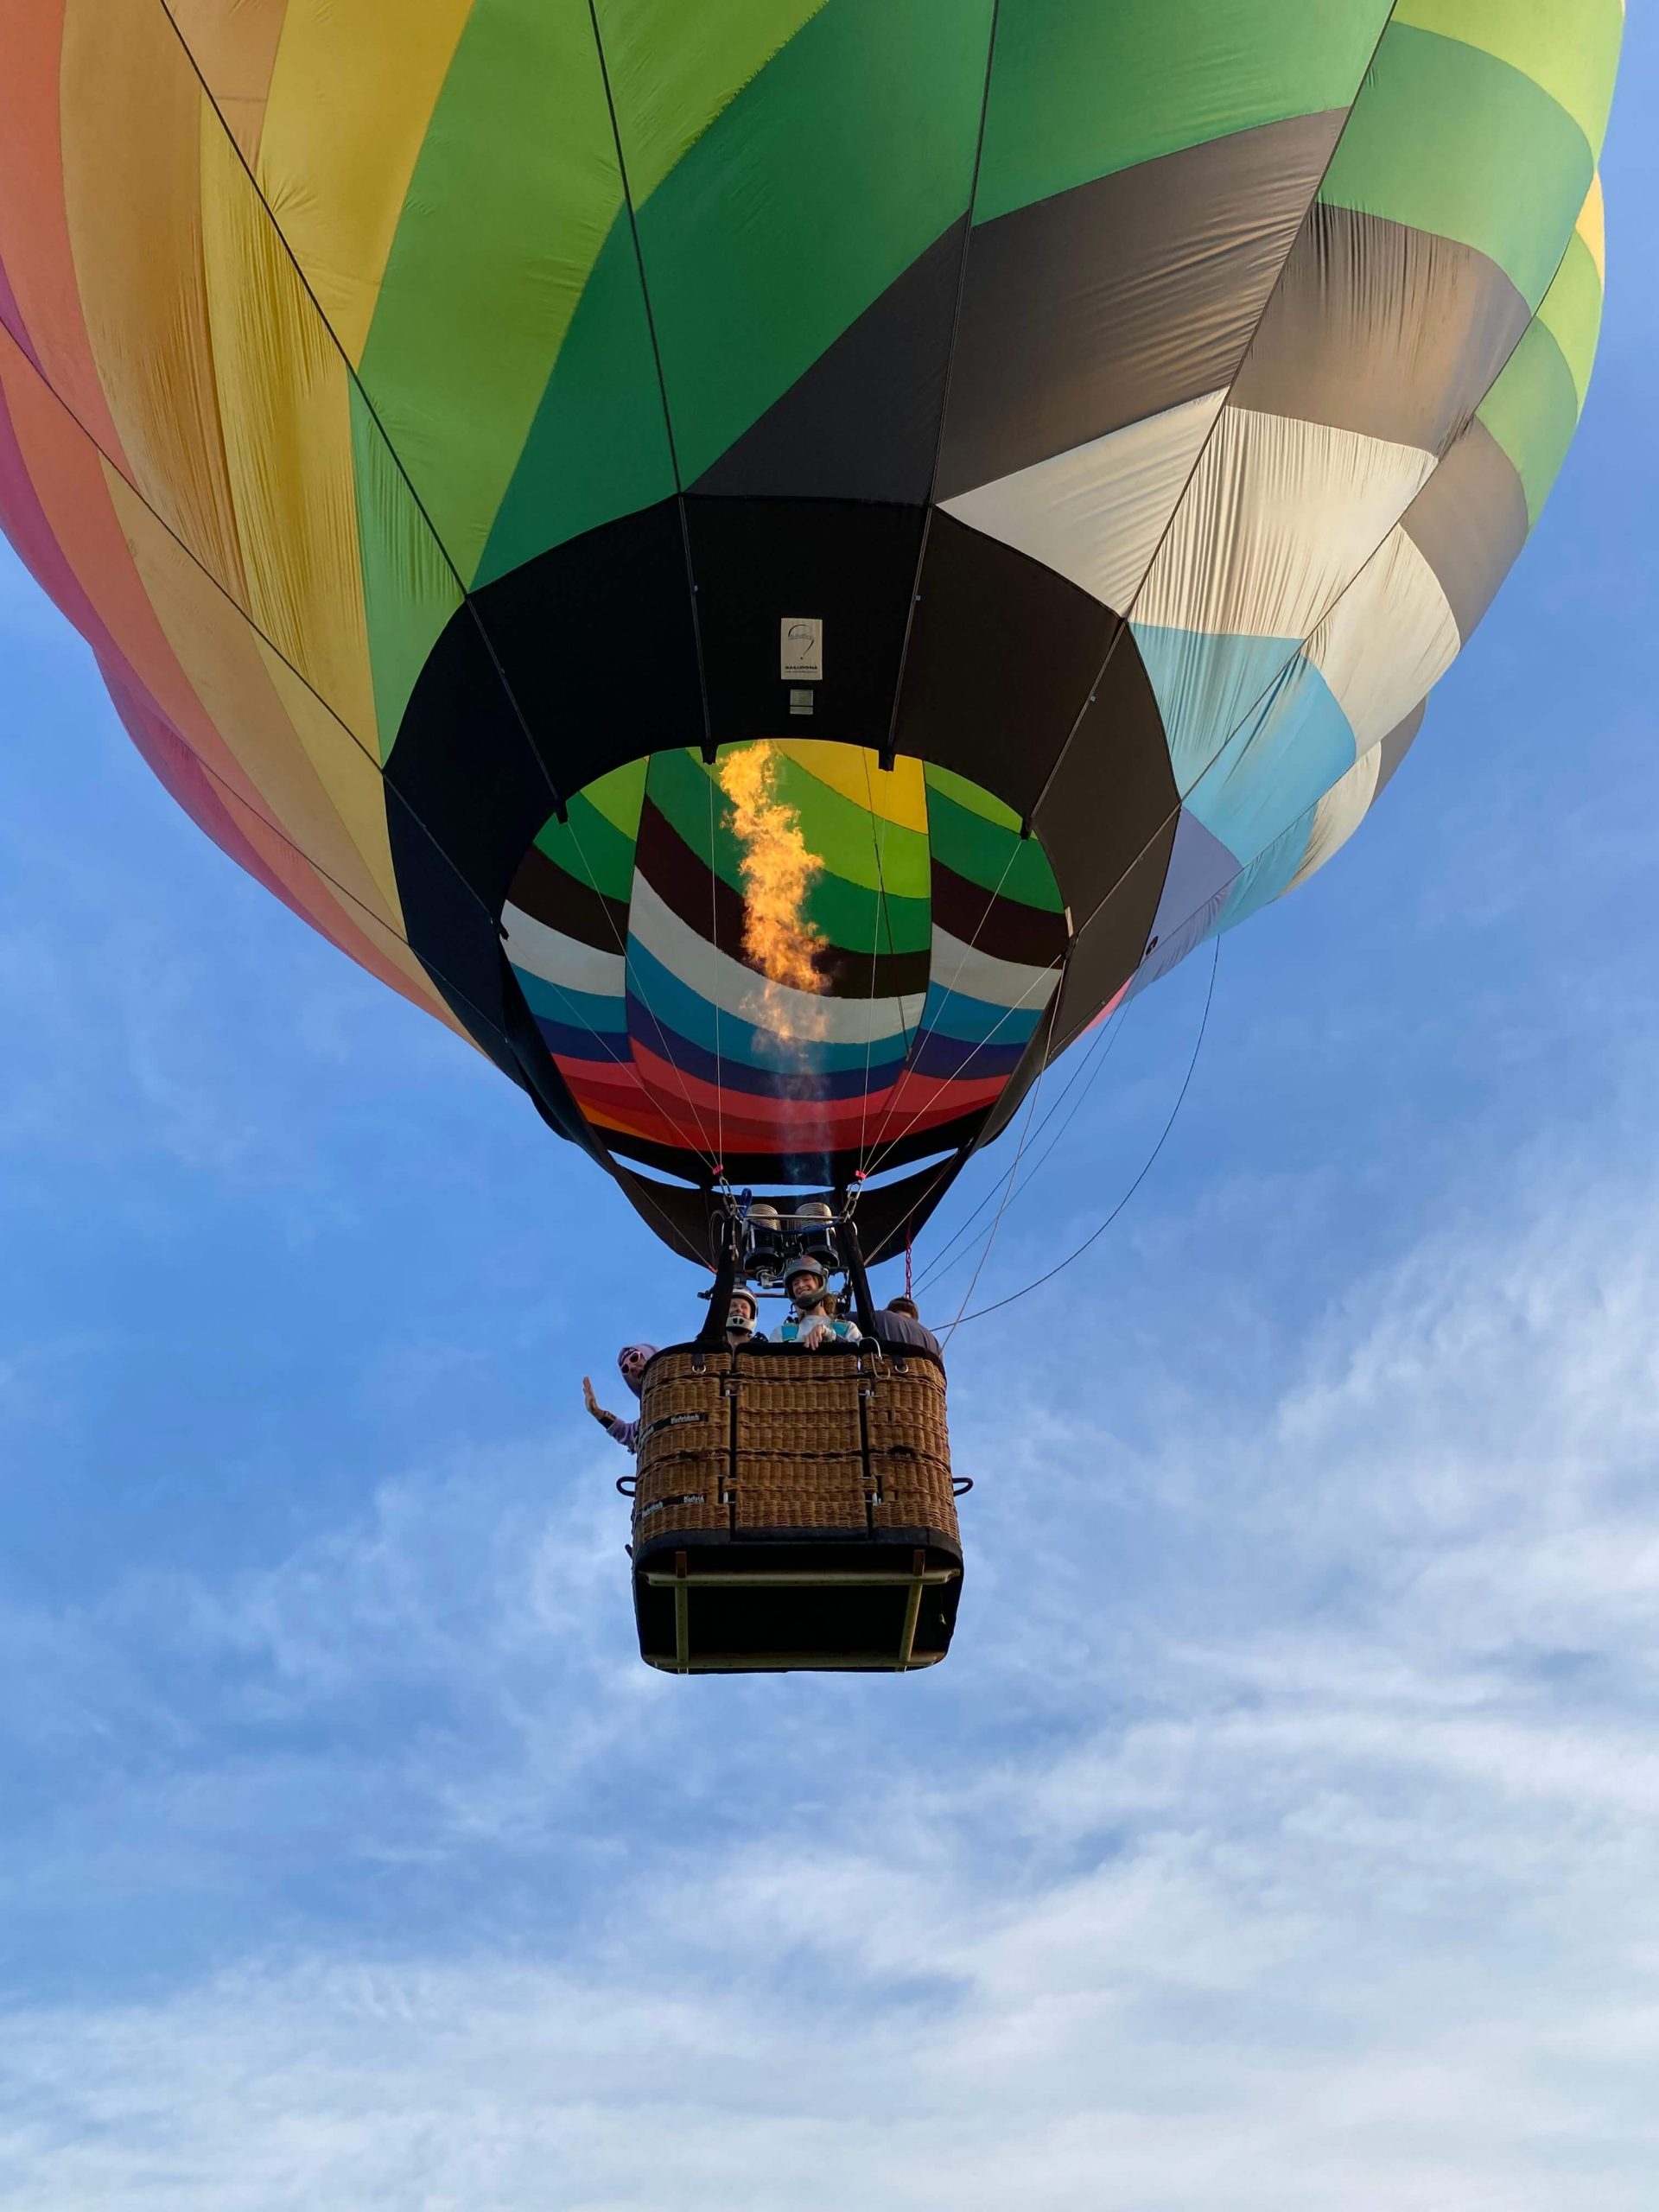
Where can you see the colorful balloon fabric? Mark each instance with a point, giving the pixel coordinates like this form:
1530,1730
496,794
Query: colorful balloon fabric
767,560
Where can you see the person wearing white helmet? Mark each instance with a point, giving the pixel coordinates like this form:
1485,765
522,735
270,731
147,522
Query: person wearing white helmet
742,1312
812,1319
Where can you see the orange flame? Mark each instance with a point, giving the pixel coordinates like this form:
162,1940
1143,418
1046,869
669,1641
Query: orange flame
777,872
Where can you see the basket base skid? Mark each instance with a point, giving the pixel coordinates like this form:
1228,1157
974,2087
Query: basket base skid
796,1600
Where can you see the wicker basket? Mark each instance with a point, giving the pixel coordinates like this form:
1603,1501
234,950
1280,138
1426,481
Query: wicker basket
793,1509
802,1441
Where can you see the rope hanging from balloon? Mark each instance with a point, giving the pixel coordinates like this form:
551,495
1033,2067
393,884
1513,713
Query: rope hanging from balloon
1088,1065
1025,1134
997,1304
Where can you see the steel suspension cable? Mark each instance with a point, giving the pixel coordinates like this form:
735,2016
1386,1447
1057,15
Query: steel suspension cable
1093,1236
1025,1132
1091,1063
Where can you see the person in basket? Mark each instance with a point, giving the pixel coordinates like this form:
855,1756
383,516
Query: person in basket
632,1361
812,1319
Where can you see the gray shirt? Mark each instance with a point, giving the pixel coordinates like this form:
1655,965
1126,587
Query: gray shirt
898,1332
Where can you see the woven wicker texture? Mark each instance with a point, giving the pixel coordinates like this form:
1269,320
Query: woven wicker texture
907,1410
682,1394
678,1366
685,1493
683,1414
920,1377
820,1493
776,1427
799,1405
913,1493
802,1382
670,1436
822,1441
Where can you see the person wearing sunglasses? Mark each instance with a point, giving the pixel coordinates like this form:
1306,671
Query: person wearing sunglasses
631,1363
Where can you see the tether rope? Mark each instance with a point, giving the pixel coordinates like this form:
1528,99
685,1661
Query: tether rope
1025,1132
1059,1268
1090,1064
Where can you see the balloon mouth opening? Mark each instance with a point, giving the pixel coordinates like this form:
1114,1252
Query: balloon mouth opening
795,953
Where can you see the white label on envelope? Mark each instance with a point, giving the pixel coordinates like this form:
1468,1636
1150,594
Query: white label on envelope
801,648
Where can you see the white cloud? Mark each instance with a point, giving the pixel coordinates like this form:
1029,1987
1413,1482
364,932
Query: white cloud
1300,1854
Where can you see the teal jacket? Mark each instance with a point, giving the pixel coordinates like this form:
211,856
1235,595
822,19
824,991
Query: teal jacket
848,1332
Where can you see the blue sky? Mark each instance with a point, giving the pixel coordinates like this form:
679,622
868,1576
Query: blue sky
1281,1833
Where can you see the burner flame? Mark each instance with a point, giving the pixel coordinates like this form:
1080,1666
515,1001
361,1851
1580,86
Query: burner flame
778,871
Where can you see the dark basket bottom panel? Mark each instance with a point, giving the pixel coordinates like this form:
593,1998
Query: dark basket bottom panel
743,1606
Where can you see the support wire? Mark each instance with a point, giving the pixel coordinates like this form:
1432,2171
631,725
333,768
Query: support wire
1093,1236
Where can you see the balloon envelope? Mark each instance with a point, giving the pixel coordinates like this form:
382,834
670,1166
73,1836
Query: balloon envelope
766,561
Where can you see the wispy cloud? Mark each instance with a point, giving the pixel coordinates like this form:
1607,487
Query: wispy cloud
1329,1879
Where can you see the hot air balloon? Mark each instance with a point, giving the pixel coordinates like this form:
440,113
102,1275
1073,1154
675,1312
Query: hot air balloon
766,561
